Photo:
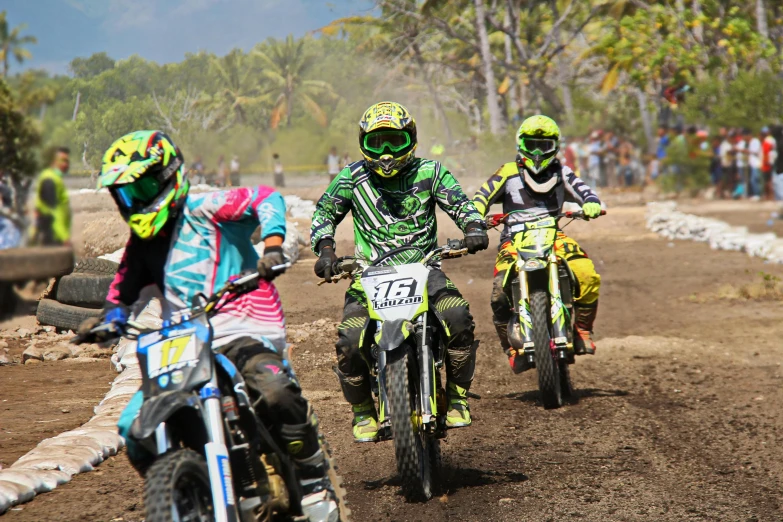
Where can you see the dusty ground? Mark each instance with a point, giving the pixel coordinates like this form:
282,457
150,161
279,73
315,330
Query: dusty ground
677,417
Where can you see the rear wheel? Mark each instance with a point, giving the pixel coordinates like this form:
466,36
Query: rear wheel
411,447
176,488
549,374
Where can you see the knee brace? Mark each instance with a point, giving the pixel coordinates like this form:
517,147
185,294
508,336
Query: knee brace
461,364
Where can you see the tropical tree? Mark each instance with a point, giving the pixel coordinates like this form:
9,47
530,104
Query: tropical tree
18,138
287,64
12,43
238,89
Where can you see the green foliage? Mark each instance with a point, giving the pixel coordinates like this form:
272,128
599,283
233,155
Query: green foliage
12,43
19,138
92,66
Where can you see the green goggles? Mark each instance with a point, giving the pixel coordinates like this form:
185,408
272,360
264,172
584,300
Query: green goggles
389,142
537,145
138,193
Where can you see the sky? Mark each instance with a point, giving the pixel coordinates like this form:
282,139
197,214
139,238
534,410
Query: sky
162,30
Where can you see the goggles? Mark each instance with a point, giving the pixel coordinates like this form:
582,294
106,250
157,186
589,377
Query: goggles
537,145
390,141
138,193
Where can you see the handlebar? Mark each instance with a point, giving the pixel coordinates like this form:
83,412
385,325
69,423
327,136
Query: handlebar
348,266
495,220
234,287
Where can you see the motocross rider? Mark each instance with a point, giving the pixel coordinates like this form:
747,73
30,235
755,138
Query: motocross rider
186,244
392,195
539,183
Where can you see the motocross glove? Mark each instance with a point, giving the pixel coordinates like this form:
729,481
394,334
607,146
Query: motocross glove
273,256
113,318
591,210
324,267
476,237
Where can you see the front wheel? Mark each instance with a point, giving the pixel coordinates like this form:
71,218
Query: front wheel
176,488
411,447
546,364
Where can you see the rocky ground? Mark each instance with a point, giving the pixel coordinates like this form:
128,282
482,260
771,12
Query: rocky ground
676,418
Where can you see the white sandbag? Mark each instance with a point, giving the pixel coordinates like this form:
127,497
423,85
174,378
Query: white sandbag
123,389
86,457
76,441
16,491
5,503
69,465
51,478
26,479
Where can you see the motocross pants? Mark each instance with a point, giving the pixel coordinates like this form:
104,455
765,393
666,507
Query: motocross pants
565,247
451,309
273,390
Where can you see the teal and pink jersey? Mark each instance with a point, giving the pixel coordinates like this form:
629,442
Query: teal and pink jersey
199,251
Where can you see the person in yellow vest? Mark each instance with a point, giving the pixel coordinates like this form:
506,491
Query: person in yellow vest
52,205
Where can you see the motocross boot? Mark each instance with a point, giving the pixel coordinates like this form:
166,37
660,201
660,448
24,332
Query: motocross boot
516,359
585,317
319,501
365,422
458,415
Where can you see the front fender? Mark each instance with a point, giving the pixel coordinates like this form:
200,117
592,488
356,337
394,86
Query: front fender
160,409
393,334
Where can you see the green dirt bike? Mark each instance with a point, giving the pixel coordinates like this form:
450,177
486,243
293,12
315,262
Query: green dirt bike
543,289
403,346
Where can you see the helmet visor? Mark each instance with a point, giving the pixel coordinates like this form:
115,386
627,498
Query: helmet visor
386,141
139,193
536,146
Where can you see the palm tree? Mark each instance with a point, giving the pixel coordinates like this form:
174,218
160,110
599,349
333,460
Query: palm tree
11,43
238,89
287,64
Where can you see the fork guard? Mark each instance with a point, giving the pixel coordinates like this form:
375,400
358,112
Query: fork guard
393,334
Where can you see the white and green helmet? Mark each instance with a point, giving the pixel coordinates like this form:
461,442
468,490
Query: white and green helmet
538,141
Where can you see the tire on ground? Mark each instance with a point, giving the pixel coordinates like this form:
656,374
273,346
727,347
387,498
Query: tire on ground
63,316
94,265
25,264
84,289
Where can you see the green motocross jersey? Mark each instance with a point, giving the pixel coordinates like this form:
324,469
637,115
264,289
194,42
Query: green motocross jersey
390,213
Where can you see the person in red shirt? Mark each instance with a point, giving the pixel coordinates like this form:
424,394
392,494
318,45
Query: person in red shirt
768,157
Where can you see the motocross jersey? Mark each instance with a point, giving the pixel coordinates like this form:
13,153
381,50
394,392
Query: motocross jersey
199,251
507,186
390,213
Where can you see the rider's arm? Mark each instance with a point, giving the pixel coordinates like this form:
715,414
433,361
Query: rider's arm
260,205
132,275
452,200
577,191
332,207
492,190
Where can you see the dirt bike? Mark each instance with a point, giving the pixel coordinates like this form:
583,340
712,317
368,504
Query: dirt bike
543,289
214,458
403,344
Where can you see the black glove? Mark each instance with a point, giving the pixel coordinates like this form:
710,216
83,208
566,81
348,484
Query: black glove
273,256
114,319
325,265
476,237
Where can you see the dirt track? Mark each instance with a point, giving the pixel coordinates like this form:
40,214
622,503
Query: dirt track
677,417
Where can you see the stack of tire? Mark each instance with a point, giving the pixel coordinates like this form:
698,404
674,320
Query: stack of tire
79,295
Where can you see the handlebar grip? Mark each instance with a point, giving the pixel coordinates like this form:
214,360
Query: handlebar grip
603,213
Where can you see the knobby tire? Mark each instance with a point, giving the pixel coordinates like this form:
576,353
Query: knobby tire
546,364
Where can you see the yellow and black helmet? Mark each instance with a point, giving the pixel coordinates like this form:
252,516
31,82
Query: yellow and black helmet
387,138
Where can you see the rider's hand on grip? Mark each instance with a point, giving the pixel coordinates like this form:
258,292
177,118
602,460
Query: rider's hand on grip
324,267
591,210
272,264
476,237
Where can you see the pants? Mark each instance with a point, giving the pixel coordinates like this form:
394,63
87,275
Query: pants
755,182
565,247
450,307
274,391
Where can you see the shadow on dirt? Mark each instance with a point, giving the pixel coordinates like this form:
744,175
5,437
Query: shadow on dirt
534,397
454,478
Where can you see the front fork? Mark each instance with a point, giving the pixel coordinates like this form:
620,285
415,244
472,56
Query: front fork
557,309
218,462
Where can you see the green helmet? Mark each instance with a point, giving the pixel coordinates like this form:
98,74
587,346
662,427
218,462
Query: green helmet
145,173
538,141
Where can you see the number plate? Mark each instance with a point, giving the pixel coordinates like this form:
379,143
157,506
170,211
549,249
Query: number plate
396,293
171,354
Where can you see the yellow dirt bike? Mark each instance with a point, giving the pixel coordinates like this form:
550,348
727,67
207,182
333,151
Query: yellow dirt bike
543,289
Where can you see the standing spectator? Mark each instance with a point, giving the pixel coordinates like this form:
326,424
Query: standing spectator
234,180
596,149
777,165
715,165
625,153
198,171
6,194
727,165
333,164
569,155
754,167
52,205
661,149
279,175
768,157
222,172
610,171
346,159
741,162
